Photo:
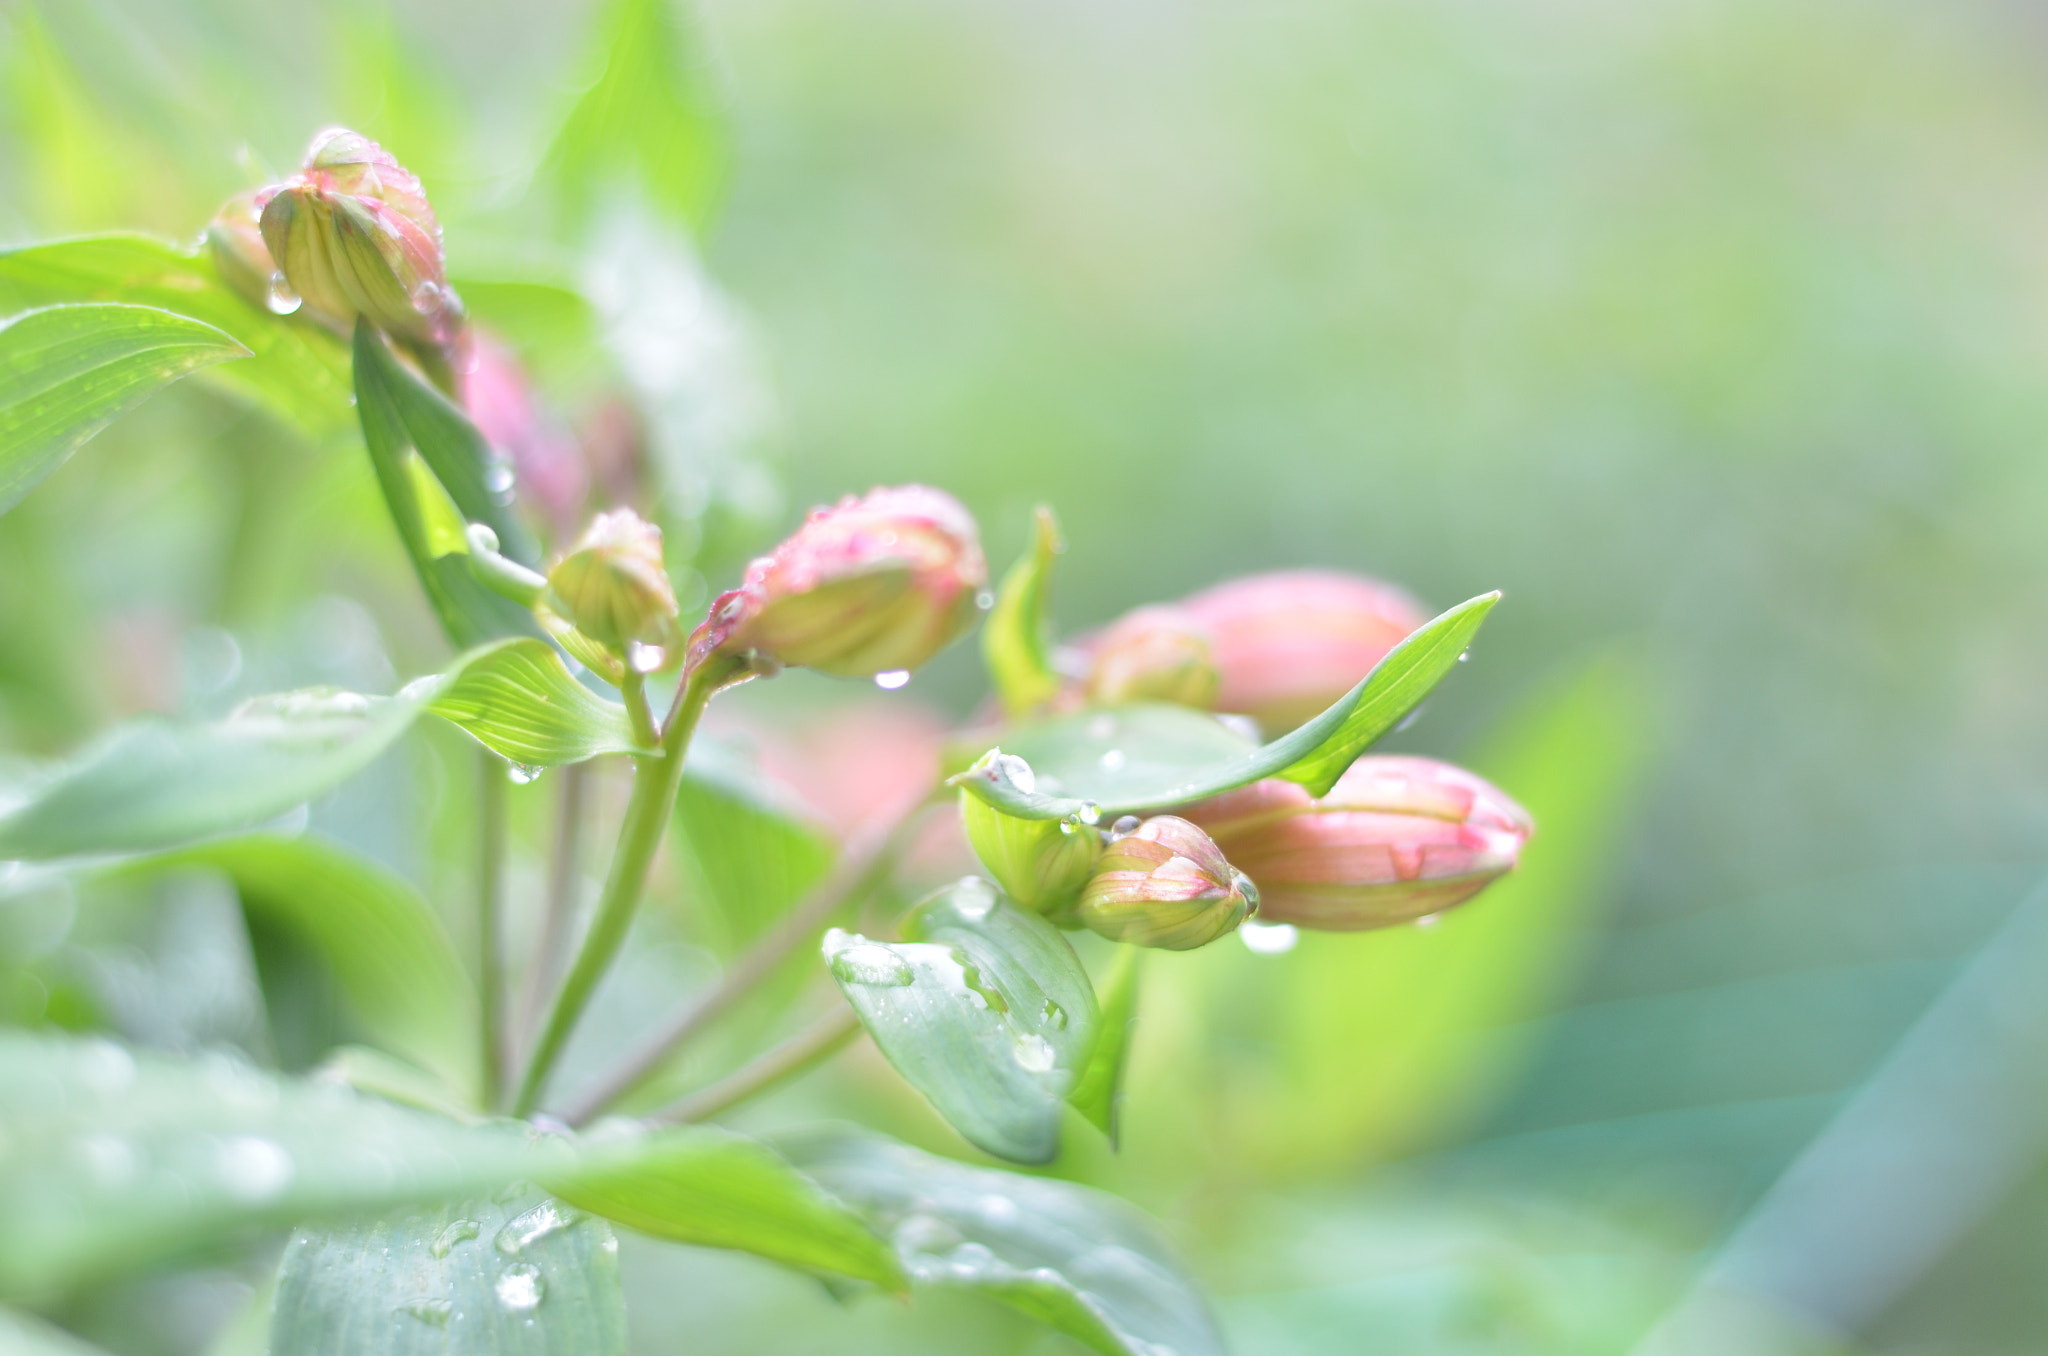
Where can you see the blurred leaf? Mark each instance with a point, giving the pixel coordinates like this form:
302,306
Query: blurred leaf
1167,760
1014,641
985,1010
1099,1094
439,518
390,954
110,1159
749,850
295,370
647,123
66,372
1077,1260
401,416
155,783
22,1335
482,1277
719,1190
516,697
551,324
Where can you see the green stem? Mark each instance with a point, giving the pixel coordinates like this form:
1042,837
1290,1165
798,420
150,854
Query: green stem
490,890
814,1043
565,873
647,812
633,688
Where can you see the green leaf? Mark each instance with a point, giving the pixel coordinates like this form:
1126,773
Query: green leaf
401,416
111,1160
719,1190
1099,1095
66,372
749,850
646,123
522,1276
1153,765
1014,641
1078,1260
21,1335
157,783
296,370
985,1010
517,698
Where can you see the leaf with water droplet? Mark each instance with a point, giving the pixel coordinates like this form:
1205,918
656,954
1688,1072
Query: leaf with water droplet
517,698
458,1231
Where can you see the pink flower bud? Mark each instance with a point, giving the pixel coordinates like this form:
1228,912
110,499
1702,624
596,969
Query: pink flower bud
1155,654
500,401
1288,644
355,236
1395,840
871,585
1165,884
612,586
235,239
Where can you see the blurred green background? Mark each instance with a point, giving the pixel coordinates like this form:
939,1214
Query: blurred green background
1716,334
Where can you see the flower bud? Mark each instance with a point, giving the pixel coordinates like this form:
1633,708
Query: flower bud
1154,654
1290,643
1396,839
873,585
355,236
235,240
1165,884
547,465
1040,863
612,586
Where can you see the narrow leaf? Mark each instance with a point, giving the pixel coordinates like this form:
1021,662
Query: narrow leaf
1077,1260
985,1010
1013,639
517,698
1099,1094
22,1335
66,372
442,521
719,1190
1151,772
521,1276
749,849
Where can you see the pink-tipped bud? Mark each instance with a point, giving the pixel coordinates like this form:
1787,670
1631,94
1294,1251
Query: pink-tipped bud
873,585
1165,884
1290,643
1395,840
612,586
1154,654
235,240
354,235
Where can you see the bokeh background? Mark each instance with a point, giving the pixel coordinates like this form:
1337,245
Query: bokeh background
1715,332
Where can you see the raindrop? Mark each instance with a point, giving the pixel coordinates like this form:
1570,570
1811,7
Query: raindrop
1269,939
871,964
892,680
1113,760
1414,714
537,1223
1089,813
999,1209
253,1168
520,1288
970,1260
461,1231
1008,767
973,898
926,1233
1464,655
645,658
1035,1054
1429,920
499,477
433,1312
523,774
1054,1013
1125,825
984,600
282,300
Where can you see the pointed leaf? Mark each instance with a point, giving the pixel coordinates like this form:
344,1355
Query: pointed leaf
1013,639
1077,1260
1099,1094
516,697
66,372
985,1010
1152,767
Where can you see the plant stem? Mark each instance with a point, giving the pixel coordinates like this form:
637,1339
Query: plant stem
859,867
654,796
564,872
634,689
814,1043
490,890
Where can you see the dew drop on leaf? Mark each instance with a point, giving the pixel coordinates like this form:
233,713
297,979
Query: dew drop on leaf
1269,939
1035,1054
433,1312
523,774
873,965
1055,1014
281,299
461,1231
1090,812
536,1224
520,1288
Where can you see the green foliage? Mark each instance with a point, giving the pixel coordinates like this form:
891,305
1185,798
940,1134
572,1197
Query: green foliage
66,372
1099,1093
517,699
1015,638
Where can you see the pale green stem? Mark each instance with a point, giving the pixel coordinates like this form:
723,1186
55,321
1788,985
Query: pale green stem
808,1047
633,688
565,871
489,925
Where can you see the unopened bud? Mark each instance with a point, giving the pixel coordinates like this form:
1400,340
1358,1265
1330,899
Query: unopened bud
1396,839
873,585
1040,863
1155,654
355,236
1290,643
235,240
612,586
1166,884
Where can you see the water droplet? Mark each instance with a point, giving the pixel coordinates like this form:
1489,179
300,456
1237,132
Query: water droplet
1112,761
645,658
999,1209
520,1288
536,1224
984,600
871,964
523,774
499,477
970,1260
1035,1054
1414,714
1464,655
281,299
253,1168
1124,826
1429,920
892,680
1054,1013
973,898
1089,813
926,1233
433,1312
1269,939
1008,767
461,1231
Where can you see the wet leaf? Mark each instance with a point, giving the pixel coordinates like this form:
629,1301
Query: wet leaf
985,1009
516,697
1014,641
22,1335
749,849
66,372
1078,1260
1155,763
1099,1094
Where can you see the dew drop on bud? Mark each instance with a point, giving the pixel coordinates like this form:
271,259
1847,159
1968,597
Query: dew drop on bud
281,299
499,478
1125,825
523,774
1269,939
1429,920
1089,813
892,679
